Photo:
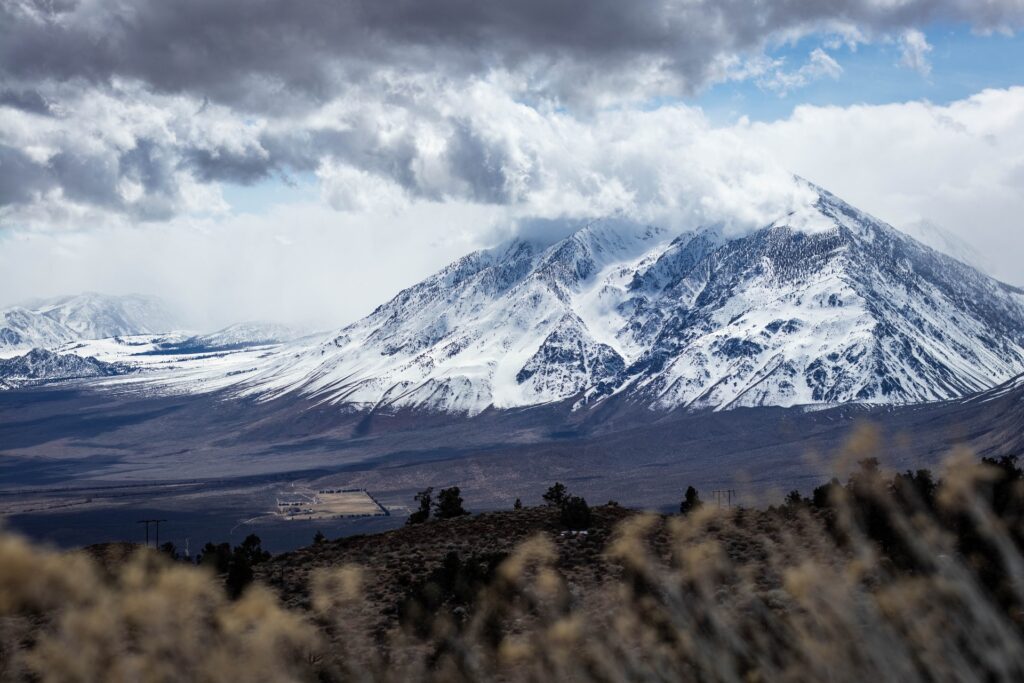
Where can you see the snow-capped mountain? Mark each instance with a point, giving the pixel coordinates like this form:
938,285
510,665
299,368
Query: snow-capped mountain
827,305
252,333
52,322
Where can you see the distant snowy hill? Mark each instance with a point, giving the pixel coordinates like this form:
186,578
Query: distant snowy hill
52,322
827,306
21,328
97,316
238,336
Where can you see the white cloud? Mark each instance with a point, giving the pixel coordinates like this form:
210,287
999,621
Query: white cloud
347,188
819,65
914,49
122,149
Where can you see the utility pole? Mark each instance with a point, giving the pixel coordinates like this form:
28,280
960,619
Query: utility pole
724,495
155,522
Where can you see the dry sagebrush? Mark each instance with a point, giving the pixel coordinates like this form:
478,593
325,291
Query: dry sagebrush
878,586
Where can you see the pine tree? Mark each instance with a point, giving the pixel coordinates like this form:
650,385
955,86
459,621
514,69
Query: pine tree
425,499
556,495
691,501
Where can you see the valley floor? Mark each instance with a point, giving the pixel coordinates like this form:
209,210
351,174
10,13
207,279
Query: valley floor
81,466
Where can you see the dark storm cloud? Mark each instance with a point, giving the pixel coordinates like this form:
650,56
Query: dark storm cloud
281,61
278,54
20,177
476,165
93,179
243,169
482,166
25,100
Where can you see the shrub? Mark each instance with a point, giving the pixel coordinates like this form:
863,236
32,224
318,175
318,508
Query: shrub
239,576
575,513
453,587
809,595
794,499
251,550
825,495
216,557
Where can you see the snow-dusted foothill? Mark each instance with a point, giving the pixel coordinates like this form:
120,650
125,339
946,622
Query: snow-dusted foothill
40,366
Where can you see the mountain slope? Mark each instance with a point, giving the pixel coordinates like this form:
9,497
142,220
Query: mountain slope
854,312
21,328
824,306
518,325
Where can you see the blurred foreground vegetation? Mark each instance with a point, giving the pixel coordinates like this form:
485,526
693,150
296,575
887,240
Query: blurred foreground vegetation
912,576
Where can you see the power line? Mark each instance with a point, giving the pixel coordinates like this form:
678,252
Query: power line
155,522
724,496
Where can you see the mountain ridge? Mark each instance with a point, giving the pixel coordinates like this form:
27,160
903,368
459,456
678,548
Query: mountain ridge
825,305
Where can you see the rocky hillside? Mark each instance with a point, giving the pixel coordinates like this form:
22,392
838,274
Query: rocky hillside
40,366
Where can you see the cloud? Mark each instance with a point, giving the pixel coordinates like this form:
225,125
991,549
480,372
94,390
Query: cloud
126,150
25,100
914,49
346,188
302,263
819,65
278,55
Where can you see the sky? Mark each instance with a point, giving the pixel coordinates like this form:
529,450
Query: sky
302,162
